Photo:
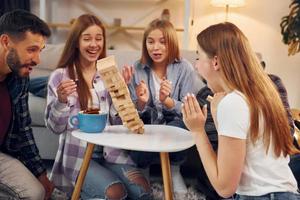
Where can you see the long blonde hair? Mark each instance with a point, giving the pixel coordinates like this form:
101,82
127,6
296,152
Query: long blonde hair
242,71
70,55
170,36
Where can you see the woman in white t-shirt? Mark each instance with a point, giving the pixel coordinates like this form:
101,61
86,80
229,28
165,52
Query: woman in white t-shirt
253,130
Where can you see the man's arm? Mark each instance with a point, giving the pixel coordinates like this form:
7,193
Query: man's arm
29,153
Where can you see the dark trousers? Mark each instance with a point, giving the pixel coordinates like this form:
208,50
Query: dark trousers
145,159
295,167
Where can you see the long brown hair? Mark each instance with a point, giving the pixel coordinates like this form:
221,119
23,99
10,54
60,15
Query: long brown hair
242,71
170,36
70,55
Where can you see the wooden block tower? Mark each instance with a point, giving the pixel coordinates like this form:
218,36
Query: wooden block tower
119,93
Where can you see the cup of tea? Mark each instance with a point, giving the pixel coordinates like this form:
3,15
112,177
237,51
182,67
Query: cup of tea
89,121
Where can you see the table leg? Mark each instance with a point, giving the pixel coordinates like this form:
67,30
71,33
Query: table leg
166,173
83,170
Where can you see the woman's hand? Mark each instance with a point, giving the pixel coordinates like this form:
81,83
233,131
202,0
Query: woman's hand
193,117
127,73
142,93
64,89
165,90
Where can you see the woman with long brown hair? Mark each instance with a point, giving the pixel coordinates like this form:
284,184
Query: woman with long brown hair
253,130
74,86
158,82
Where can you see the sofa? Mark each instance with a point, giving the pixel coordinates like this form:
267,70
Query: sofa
47,142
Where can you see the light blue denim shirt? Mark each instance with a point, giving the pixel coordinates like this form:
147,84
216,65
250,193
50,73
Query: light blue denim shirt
184,80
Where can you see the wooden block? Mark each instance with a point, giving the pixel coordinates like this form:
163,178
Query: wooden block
127,111
127,116
130,116
117,88
125,107
137,128
120,102
120,94
107,64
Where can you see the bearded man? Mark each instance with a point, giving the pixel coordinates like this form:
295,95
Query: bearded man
22,173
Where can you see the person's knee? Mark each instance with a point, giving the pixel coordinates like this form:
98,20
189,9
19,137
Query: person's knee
136,177
37,191
23,182
6,192
116,191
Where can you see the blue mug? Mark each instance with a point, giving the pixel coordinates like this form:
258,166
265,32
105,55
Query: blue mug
89,123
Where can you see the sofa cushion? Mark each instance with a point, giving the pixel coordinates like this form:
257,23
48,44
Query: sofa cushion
49,60
37,106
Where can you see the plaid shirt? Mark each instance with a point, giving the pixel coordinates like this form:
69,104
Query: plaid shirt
210,127
19,141
71,150
284,98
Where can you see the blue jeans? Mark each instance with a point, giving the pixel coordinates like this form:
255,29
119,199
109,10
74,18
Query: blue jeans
38,86
271,196
100,176
145,159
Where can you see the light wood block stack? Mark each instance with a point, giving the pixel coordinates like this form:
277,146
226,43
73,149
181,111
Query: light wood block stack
119,93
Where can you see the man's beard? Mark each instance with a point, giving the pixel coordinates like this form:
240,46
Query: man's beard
14,63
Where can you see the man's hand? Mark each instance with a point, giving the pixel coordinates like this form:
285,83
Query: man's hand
48,185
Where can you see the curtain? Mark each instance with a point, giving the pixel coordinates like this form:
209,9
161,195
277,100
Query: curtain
9,5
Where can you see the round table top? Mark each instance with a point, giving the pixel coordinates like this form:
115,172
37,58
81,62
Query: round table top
156,138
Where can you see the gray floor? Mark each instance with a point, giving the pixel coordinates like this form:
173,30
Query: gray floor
156,184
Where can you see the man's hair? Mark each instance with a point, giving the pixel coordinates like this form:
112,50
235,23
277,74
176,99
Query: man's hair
17,22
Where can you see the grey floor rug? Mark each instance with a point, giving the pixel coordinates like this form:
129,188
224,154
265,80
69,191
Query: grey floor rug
157,190
192,194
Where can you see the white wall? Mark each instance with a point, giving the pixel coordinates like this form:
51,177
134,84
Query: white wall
259,20
136,13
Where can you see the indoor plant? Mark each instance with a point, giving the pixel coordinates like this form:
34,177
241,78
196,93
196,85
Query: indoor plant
290,28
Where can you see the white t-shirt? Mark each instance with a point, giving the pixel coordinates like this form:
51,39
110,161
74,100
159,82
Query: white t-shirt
263,173
157,82
98,103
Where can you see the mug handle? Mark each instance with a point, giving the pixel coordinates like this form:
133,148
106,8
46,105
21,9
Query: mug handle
74,122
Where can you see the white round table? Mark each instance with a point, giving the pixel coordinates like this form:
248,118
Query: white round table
156,138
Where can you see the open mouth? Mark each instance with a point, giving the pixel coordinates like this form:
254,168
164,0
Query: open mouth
93,52
29,68
157,55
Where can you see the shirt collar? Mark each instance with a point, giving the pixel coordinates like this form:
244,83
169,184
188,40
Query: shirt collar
148,65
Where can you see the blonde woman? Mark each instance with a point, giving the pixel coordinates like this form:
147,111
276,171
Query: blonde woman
158,84
253,130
